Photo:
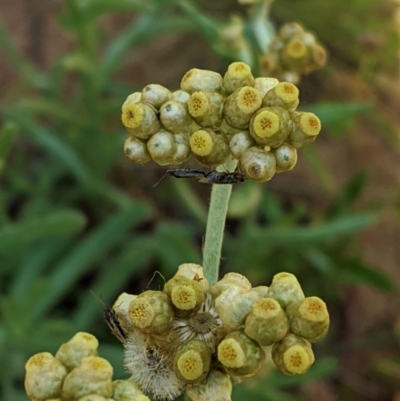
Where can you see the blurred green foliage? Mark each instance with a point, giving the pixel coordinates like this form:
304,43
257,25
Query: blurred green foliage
68,228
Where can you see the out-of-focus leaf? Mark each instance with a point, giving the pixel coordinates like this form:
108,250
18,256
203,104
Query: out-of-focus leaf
94,8
348,194
175,246
244,199
313,234
87,252
135,255
354,271
338,117
15,236
319,168
27,71
7,135
143,29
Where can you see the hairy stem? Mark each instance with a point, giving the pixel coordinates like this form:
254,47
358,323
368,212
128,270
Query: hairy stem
220,195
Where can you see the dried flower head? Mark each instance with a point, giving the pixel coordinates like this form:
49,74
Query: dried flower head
203,325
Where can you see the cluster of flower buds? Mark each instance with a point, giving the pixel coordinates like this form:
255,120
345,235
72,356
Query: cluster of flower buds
293,52
76,373
201,339
215,118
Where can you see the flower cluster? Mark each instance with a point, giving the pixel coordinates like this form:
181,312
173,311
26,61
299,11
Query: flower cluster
293,52
215,118
76,373
200,339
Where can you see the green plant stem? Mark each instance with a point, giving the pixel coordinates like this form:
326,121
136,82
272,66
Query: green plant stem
220,195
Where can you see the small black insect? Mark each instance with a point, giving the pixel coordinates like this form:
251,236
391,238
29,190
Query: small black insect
221,177
210,177
113,323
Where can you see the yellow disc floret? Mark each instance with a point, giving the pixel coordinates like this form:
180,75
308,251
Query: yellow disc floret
201,143
132,115
296,360
248,100
313,309
198,104
310,124
190,365
296,48
265,124
184,297
230,353
141,312
287,92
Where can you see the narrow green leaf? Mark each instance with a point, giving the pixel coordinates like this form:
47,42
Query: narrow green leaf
348,194
7,135
93,248
330,230
16,236
355,271
136,254
337,117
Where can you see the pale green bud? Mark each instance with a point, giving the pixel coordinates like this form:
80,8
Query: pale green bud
162,147
192,361
238,75
121,309
174,116
227,129
201,80
270,126
151,312
44,377
180,96
258,164
285,289
285,95
240,106
216,387
240,355
140,120
135,150
156,95
231,279
262,290
92,376
239,142
233,305
286,157
194,272
93,397
131,99
182,148
306,128
206,108
290,30
267,322
80,346
264,84
127,390
308,318
293,355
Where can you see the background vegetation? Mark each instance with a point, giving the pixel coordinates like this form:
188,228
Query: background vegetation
77,221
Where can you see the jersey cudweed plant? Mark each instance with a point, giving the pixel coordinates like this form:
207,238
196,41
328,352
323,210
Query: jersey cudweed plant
197,335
